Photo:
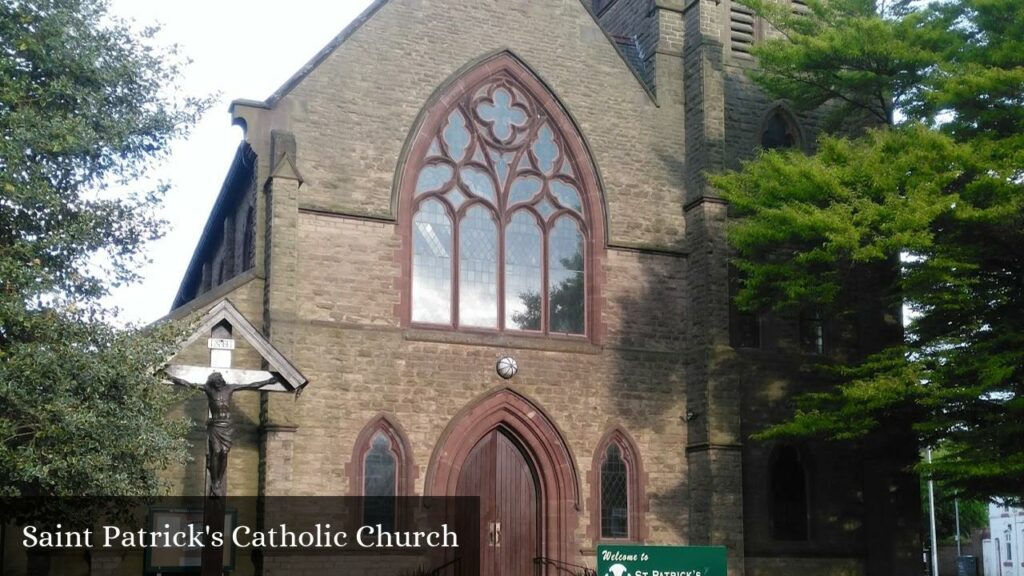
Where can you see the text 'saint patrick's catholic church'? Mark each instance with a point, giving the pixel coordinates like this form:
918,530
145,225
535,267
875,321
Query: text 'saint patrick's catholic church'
450,182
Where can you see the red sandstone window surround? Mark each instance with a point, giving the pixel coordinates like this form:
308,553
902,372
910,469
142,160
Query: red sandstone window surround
381,467
499,209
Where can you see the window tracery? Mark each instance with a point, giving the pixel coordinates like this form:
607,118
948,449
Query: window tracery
500,226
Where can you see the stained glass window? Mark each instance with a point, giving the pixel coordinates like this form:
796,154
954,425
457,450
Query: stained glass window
379,483
500,220
614,495
478,269
432,264
565,277
523,272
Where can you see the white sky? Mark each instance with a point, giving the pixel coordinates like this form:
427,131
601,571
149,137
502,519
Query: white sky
239,49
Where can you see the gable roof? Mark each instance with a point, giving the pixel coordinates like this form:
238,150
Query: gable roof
293,380
364,17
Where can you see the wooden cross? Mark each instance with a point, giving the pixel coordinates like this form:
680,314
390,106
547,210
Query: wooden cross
219,381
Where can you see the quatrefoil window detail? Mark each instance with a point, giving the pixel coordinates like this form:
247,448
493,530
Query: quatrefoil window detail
502,115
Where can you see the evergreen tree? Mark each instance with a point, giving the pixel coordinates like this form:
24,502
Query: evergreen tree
936,184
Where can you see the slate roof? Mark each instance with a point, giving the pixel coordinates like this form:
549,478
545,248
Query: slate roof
635,57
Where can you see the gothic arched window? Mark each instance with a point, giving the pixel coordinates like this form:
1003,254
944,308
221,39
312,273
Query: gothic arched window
779,131
380,482
501,219
790,505
381,470
617,507
614,494
249,239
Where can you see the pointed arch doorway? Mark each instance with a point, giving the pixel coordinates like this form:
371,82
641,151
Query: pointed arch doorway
504,449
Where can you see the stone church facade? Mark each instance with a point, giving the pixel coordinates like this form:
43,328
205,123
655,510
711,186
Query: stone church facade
451,182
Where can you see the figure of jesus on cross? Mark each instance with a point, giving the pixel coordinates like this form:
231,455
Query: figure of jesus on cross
220,381
219,428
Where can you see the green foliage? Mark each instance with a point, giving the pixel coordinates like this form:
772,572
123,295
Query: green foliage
84,414
85,104
973,513
936,185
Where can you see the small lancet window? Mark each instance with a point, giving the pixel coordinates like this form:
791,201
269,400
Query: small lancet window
789,498
812,333
614,495
779,132
379,472
249,239
617,494
744,326
380,479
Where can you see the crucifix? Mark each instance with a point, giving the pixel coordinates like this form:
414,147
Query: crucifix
219,381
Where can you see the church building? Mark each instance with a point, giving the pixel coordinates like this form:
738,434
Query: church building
451,185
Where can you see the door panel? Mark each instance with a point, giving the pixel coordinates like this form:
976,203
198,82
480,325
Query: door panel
517,510
497,471
477,479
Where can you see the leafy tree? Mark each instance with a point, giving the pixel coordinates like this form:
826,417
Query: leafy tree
935,184
973,513
86,104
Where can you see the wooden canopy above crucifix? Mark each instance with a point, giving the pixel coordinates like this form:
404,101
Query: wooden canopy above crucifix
221,325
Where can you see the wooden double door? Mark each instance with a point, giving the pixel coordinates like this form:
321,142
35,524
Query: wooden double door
498,471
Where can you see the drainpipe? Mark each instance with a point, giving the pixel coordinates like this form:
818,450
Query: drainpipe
931,515
956,512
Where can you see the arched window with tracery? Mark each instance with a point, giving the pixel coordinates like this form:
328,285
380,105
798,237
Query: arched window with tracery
617,505
381,470
502,223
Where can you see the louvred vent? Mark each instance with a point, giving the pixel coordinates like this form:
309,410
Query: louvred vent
741,28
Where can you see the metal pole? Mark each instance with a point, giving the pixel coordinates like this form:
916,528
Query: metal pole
931,515
956,513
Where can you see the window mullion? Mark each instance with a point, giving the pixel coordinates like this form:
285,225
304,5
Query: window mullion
500,217
456,269
545,328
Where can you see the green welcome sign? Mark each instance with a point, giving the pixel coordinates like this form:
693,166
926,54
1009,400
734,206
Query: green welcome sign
661,561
